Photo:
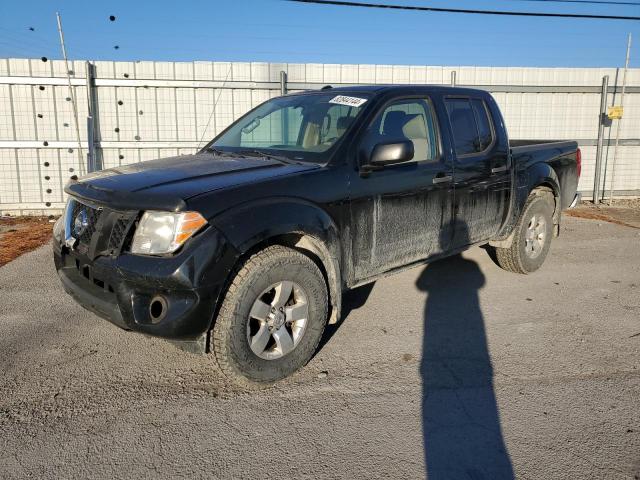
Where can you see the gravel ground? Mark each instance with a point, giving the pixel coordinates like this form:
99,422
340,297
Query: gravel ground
473,371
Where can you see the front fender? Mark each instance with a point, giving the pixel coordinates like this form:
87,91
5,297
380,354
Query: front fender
253,223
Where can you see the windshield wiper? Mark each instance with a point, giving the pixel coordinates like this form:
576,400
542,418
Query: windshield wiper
258,153
221,153
250,153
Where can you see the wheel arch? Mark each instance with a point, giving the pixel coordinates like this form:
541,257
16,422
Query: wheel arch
542,181
543,177
304,227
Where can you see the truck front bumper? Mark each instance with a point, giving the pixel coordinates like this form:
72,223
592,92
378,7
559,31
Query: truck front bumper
122,289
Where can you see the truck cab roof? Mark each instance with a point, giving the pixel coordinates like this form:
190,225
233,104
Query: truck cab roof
399,89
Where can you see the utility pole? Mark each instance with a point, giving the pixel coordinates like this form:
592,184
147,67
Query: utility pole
615,149
72,94
601,121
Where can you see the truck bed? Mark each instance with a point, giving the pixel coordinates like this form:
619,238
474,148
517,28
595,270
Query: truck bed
560,155
526,145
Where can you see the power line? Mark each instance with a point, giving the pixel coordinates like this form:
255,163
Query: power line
464,10
595,2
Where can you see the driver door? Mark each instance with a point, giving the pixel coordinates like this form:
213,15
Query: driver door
402,213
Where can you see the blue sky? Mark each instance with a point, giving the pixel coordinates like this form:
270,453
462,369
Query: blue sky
273,30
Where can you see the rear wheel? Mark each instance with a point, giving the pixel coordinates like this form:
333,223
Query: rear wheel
532,237
272,317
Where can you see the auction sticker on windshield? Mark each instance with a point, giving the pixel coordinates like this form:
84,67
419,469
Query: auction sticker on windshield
348,101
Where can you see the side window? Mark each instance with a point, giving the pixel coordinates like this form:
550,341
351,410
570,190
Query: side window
470,124
484,123
463,125
407,120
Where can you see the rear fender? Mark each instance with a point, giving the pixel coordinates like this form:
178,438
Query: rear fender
540,178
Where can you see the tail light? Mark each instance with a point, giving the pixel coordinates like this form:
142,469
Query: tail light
578,162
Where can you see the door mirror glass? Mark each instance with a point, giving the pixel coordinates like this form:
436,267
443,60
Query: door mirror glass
390,153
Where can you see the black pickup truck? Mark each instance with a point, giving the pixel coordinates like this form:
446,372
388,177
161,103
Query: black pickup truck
245,248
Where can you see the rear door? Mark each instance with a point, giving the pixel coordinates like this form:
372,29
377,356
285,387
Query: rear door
402,213
482,177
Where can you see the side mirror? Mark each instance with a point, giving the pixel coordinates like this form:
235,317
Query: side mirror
390,153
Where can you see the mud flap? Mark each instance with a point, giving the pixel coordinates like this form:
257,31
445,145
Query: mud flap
196,345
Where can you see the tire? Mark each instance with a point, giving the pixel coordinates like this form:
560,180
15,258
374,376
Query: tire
537,217
260,285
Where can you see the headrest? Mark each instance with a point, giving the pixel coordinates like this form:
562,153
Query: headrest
393,123
414,126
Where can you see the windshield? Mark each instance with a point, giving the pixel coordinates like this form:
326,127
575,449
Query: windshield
300,127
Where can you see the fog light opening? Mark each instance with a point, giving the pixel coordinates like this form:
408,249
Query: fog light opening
157,308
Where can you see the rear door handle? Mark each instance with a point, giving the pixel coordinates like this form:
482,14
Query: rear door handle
442,179
499,169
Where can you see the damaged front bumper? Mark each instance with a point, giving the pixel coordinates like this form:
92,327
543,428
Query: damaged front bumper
123,288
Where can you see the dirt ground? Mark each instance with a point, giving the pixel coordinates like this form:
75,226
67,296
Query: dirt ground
622,212
19,235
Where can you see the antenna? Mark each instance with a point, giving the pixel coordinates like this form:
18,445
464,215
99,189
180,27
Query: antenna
215,102
72,94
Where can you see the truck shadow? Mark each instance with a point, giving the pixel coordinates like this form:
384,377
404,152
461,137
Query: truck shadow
351,300
460,419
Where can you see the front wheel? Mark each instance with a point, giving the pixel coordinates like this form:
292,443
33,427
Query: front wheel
272,317
532,237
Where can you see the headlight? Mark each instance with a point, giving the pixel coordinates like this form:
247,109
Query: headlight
165,232
60,227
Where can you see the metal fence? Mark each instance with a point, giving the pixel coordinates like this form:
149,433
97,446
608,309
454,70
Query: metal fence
144,110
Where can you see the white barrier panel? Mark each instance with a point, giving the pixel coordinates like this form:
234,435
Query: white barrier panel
147,110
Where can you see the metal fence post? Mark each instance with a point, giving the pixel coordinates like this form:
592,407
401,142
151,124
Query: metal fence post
615,148
94,155
453,78
601,123
284,118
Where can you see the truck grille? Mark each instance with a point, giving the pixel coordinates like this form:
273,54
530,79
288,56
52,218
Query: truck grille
83,222
118,233
98,230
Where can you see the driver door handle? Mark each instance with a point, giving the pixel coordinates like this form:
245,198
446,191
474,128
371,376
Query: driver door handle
503,168
442,178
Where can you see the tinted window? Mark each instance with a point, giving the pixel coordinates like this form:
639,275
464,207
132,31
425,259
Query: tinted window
463,124
407,120
471,125
483,122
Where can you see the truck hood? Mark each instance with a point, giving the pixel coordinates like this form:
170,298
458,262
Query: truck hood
166,183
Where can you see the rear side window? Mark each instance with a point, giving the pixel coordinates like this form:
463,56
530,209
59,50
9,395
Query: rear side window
470,124
483,122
